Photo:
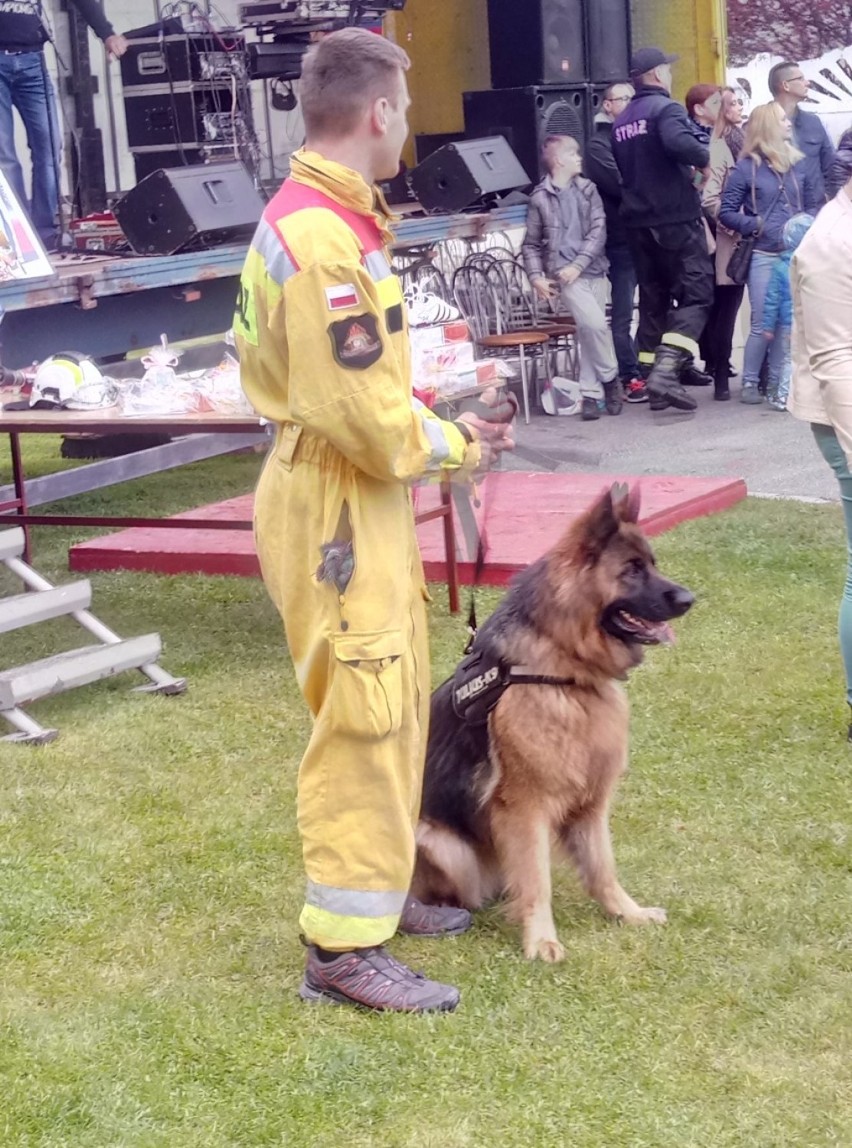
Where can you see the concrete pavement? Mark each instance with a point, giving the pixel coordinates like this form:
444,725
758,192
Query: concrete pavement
771,450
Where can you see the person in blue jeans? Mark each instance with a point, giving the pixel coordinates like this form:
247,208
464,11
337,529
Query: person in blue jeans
768,185
778,310
25,87
821,386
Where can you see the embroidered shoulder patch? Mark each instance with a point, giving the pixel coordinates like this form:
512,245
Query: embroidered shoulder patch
355,341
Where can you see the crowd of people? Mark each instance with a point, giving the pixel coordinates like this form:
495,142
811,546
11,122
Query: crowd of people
695,207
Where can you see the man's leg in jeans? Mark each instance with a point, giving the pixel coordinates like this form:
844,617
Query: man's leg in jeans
33,97
622,279
10,165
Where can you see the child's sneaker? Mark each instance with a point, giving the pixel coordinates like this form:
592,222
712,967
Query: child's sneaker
777,402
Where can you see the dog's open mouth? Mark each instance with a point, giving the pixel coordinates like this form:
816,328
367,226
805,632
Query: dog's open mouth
629,628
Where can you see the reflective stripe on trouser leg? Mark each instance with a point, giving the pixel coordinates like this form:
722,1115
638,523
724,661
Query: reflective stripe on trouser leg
682,342
367,685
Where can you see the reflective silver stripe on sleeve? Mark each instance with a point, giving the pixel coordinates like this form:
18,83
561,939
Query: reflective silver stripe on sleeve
377,265
267,243
434,430
354,902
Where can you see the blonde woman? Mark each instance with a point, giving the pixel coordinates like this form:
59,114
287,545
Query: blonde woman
766,188
718,337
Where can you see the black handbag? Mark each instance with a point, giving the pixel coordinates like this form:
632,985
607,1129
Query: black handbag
739,263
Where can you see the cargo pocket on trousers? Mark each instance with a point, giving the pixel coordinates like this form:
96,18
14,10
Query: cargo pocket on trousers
366,698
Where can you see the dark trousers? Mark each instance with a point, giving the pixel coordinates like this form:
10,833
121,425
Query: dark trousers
718,337
675,274
622,281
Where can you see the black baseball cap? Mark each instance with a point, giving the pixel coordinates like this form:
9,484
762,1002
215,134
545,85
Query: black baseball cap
646,59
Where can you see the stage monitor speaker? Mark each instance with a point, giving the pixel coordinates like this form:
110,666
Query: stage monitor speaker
463,173
427,143
189,206
537,42
608,40
527,116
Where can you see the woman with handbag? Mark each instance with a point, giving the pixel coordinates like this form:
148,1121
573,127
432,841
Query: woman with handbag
767,186
821,390
718,337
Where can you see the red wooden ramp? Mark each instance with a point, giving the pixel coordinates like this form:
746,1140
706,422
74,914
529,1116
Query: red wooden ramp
522,515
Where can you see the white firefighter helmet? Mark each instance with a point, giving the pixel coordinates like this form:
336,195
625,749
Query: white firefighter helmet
71,380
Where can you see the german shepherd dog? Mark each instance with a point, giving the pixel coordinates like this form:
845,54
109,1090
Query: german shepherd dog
542,767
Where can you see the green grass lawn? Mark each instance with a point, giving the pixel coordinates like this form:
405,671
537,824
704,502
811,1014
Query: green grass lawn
150,882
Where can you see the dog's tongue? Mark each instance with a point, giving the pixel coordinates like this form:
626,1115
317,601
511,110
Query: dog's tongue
664,634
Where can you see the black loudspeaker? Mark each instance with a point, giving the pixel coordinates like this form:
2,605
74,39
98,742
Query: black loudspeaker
198,206
608,40
463,173
537,42
426,144
527,116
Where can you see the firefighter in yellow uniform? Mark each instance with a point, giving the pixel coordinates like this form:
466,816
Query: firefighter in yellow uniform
321,332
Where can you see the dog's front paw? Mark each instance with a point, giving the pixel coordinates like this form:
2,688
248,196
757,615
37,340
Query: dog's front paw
549,951
649,916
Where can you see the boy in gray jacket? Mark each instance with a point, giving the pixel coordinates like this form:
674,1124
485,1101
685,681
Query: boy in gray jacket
563,253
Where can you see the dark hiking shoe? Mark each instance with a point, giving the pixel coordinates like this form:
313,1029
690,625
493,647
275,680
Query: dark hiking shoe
692,376
373,979
419,920
612,397
589,410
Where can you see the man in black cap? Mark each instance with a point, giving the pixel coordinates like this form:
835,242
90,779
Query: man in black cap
660,160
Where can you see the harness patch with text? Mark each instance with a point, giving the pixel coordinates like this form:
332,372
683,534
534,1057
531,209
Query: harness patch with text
355,341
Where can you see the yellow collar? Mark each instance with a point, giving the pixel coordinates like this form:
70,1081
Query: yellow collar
342,184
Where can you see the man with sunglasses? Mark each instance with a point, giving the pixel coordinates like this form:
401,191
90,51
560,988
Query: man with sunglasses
789,88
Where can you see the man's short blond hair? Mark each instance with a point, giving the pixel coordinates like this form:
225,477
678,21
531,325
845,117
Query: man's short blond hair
342,74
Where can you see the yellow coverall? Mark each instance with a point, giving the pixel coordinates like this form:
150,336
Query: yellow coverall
323,345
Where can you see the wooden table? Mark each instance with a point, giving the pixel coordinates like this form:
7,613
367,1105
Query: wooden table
196,436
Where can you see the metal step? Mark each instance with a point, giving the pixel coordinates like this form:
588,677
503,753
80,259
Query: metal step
11,543
42,605
75,668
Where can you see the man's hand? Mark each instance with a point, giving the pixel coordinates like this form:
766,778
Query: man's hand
769,336
568,275
116,45
492,420
544,288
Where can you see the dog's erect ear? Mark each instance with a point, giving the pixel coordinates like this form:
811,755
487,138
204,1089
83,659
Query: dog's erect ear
598,525
626,501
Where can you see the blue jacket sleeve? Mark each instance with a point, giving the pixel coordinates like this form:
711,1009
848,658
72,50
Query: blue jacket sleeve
737,189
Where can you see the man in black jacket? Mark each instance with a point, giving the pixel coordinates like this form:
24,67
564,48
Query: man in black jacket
25,85
660,161
600,167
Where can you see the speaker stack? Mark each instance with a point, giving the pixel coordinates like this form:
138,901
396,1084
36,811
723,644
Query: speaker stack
551,61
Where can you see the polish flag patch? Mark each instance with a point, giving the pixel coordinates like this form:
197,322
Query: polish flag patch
342,296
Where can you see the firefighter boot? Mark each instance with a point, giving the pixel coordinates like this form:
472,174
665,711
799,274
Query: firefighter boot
664,385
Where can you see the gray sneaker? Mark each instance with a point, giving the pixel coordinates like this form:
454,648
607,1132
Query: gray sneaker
419,920
750,394
373,979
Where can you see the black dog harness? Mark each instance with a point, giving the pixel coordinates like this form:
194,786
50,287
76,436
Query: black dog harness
481,679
